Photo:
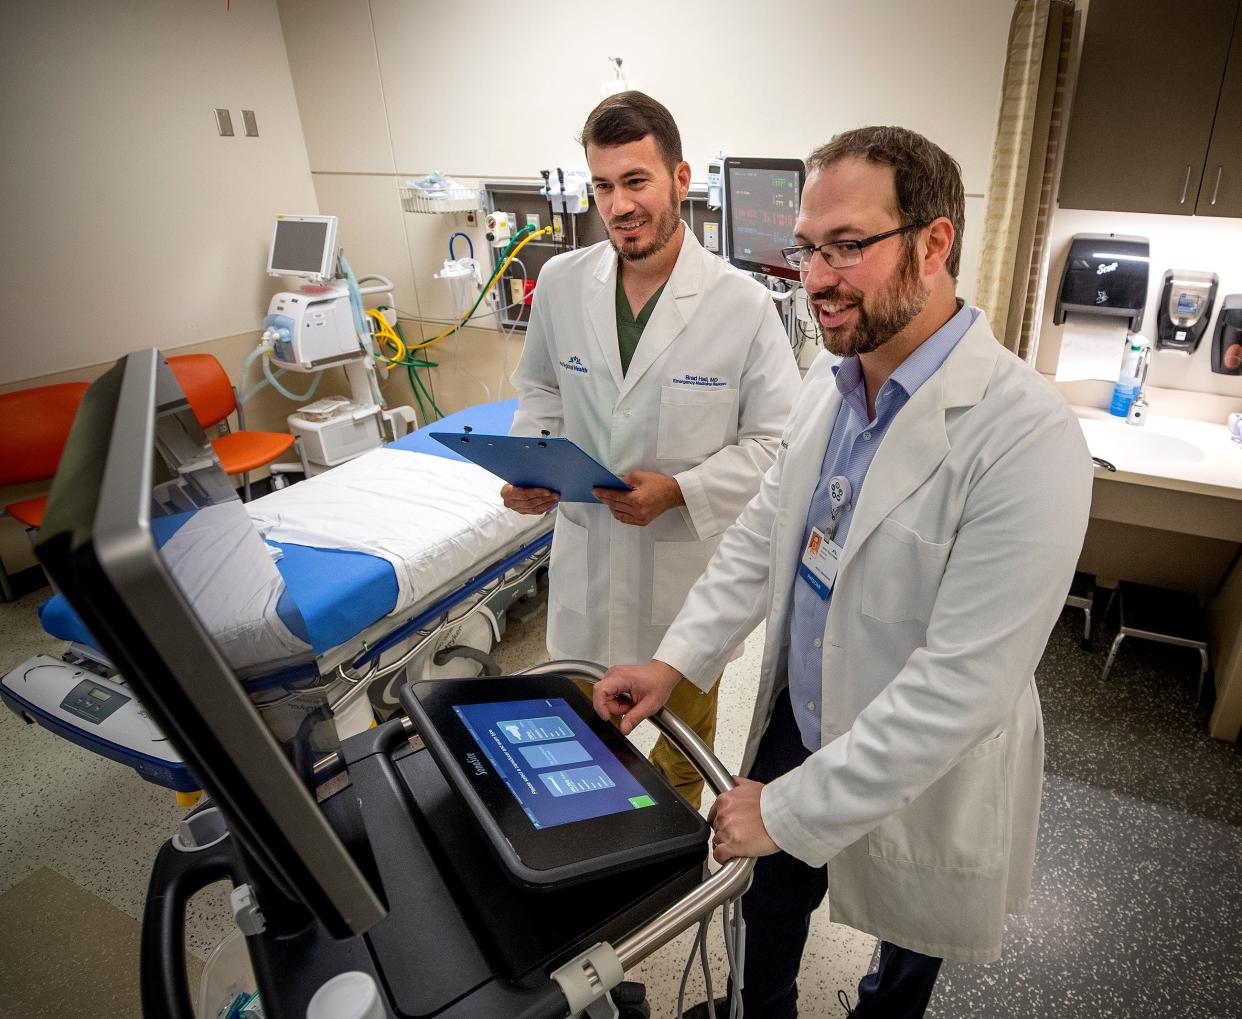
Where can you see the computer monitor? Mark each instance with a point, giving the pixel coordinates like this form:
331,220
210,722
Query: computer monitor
761,206
147,540
303,246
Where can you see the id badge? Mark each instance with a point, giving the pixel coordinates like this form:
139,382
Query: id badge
820,561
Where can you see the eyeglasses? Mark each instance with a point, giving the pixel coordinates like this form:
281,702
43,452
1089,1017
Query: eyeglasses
839,254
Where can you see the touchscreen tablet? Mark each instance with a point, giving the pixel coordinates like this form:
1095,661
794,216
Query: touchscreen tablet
560,795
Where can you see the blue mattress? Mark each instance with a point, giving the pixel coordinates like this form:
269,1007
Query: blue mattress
339,593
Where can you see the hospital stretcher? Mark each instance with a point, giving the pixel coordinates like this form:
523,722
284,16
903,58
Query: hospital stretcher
371,622
459,939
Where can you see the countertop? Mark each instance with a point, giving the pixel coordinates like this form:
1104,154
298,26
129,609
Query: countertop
1166,452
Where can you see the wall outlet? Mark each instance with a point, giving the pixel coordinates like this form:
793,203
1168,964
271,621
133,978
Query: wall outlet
558,227
711,237
515,292
532,219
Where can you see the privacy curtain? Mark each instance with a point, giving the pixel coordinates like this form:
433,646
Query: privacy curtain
1025,163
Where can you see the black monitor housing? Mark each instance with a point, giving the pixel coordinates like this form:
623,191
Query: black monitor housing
761,205
136,457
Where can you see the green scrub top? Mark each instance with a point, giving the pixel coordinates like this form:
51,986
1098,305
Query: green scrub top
630,327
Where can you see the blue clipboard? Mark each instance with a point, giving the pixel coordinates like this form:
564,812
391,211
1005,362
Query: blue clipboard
531,461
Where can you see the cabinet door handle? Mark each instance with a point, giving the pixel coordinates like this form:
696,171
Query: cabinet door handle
1185,185
1216,188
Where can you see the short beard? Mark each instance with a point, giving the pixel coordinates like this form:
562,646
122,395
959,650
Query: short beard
666,224
880,320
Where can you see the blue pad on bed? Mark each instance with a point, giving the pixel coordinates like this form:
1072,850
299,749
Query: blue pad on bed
338,592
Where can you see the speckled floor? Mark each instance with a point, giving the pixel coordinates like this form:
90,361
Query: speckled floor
1137,908
1137,904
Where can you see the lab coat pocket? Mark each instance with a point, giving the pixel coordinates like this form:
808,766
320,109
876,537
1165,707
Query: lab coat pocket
694,422
569,569
960,820
677,565
901,574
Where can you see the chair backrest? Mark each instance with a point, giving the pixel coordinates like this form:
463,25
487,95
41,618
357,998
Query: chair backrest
206,385
34,424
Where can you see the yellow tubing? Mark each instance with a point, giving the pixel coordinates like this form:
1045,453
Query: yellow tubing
495,279
386,333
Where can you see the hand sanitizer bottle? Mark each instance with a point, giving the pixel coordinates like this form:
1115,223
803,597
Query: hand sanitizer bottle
1128,382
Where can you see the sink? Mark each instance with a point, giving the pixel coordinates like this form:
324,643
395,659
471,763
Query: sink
1133,447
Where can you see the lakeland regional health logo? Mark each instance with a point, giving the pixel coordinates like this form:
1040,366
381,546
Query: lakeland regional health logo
574,364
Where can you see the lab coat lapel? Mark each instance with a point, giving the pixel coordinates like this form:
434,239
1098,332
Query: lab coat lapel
799,477
917,441
674,309
602,313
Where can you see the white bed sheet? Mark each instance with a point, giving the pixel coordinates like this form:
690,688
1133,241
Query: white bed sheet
432,518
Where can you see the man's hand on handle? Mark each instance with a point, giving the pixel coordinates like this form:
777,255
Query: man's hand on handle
634,692
738,823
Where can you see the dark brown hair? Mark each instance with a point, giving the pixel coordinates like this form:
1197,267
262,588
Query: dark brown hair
629,117
927,179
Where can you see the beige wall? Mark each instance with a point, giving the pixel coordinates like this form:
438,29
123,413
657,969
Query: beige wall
127,221
483,89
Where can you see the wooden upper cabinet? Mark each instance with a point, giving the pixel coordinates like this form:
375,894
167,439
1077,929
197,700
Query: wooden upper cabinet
1220,194
1148,85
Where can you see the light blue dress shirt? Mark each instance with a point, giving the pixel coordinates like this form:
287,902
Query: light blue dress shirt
852,446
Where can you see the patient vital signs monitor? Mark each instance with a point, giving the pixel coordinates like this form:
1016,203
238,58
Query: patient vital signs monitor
303,246
761,202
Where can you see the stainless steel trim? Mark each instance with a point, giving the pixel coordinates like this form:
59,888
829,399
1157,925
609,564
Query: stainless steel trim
1185,185
1216,187
1163,638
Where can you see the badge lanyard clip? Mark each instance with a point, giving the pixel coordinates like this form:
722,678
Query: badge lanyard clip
839,493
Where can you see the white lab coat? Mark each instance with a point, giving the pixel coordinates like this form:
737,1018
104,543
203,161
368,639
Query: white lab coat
706,395
925,792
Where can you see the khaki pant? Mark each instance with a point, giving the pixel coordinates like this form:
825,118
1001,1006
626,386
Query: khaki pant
698,710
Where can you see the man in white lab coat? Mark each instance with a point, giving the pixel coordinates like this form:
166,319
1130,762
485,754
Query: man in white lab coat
670,368
911,549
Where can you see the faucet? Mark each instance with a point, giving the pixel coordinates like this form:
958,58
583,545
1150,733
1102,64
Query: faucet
1137,414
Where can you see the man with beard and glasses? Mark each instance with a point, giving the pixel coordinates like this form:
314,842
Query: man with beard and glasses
911,549
672,369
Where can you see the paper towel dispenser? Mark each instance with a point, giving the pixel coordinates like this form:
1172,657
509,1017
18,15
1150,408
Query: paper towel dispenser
1105,274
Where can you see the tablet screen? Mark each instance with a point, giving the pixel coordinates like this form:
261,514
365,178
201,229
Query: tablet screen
560,794
556,768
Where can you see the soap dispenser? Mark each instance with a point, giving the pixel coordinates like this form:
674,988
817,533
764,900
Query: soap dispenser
1227,341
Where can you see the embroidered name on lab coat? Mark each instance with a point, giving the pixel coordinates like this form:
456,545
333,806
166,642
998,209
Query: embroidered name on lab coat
710,381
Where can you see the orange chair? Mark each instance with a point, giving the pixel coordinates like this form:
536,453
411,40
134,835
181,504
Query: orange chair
34,425
213,399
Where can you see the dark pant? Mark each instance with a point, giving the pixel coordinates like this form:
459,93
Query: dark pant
778,907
